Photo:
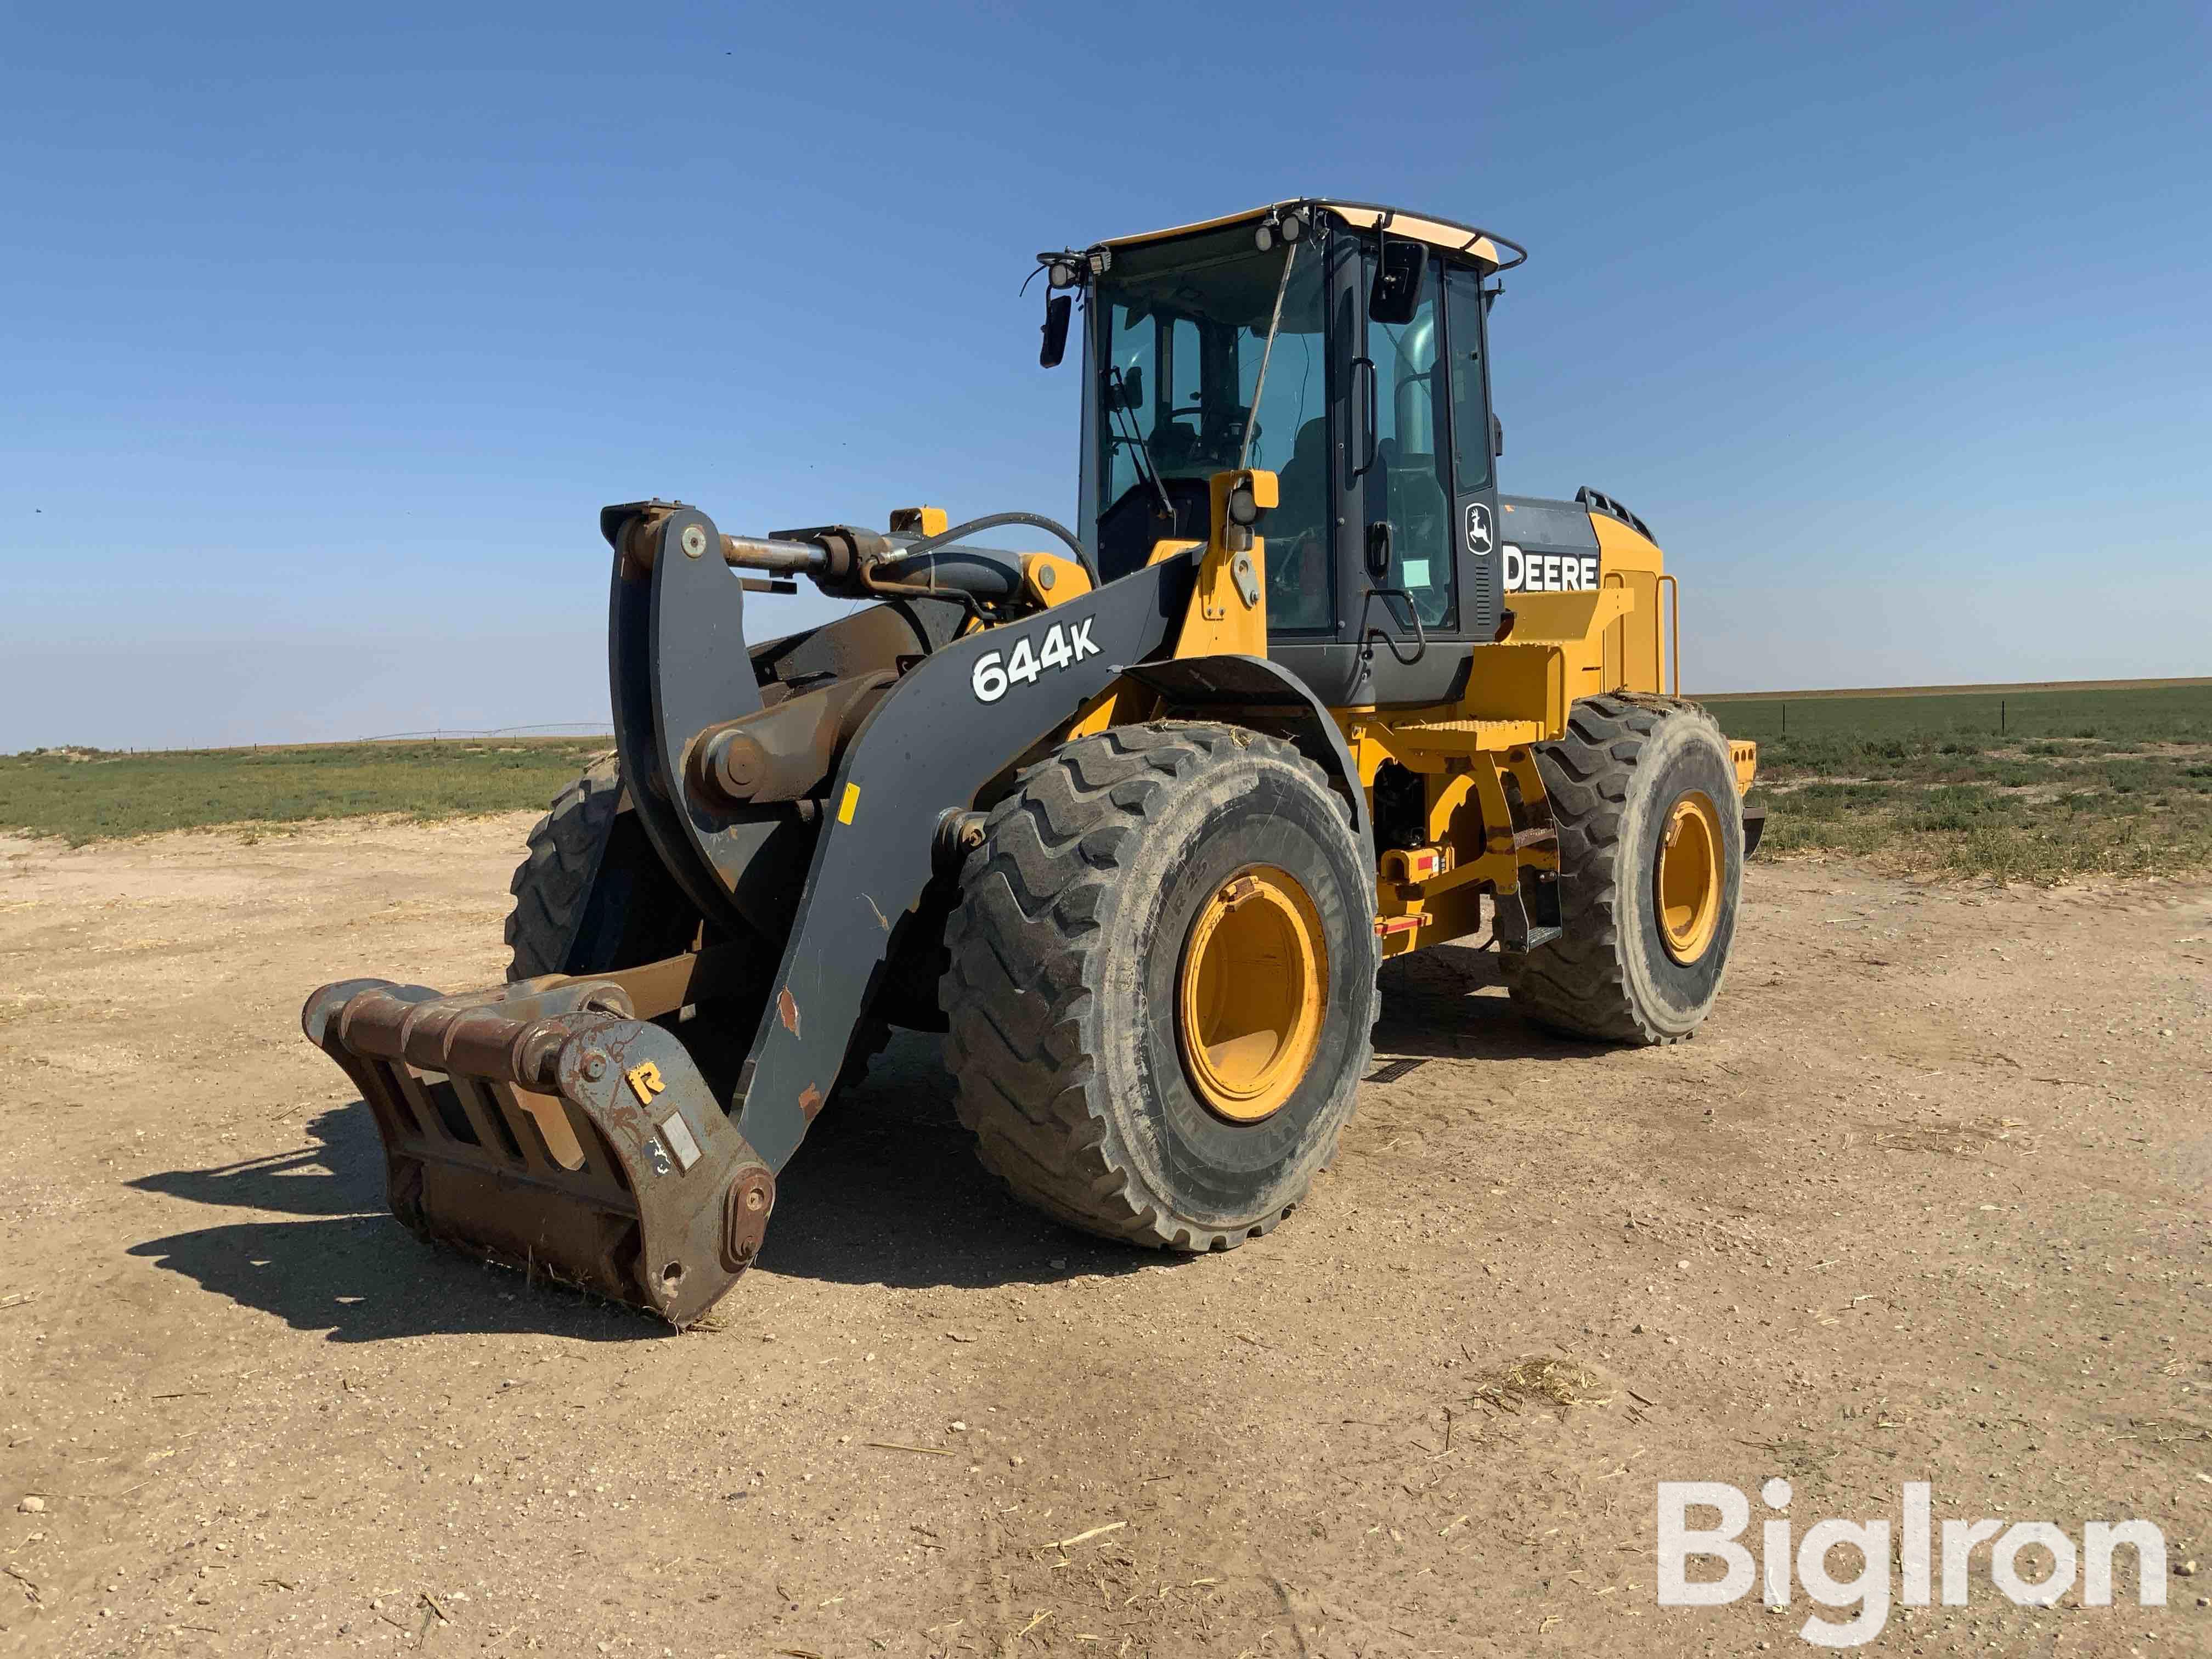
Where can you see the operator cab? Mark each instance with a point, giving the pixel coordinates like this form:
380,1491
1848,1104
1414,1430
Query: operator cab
1374,412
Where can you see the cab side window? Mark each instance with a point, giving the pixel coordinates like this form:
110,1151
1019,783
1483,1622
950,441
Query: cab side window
1470,405
1132,376
1291,436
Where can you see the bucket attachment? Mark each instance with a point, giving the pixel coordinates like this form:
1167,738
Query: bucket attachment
544,1126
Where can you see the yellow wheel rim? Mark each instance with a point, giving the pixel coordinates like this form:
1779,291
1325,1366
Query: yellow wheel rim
1253,990
1686,885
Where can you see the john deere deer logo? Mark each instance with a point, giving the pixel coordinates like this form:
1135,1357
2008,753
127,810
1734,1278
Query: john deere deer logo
1478,528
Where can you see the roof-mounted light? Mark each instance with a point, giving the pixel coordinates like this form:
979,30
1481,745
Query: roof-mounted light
1283,227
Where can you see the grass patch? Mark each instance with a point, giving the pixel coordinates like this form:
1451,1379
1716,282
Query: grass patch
2102,782
1556,1381
87,794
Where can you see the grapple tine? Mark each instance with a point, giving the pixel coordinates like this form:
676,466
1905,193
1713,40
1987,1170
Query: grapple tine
539,1125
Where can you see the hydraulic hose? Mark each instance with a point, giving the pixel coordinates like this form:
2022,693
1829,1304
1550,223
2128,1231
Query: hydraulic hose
992,522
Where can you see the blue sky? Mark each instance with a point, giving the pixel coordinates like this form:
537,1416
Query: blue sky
322,343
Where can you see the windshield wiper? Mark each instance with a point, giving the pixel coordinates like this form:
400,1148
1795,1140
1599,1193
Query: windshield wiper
1259,386
1147,473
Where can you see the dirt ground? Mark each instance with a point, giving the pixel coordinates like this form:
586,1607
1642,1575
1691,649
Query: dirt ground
1926,1199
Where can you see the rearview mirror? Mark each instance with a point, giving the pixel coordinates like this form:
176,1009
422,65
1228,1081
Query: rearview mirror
1395,294
1132,388
1057,310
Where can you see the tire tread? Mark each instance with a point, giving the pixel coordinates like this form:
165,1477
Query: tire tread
1579,984
1033,894
555,877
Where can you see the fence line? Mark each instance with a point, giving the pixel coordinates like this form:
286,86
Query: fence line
579,728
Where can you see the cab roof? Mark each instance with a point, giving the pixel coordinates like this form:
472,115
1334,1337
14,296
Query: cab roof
1446,235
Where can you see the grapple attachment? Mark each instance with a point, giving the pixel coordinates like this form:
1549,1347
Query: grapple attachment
544,1126
619,1126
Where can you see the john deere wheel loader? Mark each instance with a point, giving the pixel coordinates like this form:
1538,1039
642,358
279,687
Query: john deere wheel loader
1132,819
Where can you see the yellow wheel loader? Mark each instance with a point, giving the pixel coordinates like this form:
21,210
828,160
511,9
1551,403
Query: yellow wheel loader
1133,818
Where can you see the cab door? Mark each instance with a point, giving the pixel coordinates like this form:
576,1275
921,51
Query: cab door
1410,512
1408,556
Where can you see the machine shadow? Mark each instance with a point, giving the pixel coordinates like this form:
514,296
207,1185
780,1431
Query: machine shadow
342,1173
346,1268
887,1190
1449,1002
366,1279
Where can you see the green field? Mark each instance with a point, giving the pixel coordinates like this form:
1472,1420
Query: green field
2036,785
2131,714
2039,785
87,794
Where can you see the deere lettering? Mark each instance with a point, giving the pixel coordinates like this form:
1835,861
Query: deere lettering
1549,573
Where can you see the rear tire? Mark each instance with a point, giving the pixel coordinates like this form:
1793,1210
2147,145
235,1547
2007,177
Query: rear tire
1635,964
1068,987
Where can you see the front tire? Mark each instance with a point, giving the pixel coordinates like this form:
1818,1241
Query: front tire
552,885
1643,790
1161,983
590,896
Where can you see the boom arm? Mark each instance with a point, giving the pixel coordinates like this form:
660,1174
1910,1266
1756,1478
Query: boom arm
952,723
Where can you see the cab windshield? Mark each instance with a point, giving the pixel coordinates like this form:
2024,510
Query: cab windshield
1184,325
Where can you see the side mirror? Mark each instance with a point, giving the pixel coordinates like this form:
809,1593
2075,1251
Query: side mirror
1395,294
1378,550
1496,434
1057,310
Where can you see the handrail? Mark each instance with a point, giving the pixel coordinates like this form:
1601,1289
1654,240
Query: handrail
1474,233
1675,634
